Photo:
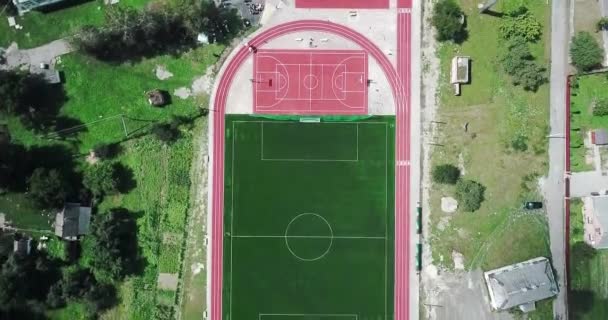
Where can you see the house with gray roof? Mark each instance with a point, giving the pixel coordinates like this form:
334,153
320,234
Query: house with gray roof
72,221
521,284
595,221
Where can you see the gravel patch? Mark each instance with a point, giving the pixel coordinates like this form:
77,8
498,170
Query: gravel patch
162,73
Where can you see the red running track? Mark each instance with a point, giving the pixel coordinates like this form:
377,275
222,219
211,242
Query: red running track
402,218
402,226
342,4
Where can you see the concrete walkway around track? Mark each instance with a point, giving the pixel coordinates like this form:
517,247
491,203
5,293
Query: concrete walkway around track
219,99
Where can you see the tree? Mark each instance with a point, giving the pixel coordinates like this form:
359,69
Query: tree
601,107
585,52
113,238
530,76
521,24
101,179
11,90
47,188
446,173
519,63
470,194
29,97
447,20
602,24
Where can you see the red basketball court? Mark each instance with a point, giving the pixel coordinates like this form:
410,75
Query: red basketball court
310,81
343,4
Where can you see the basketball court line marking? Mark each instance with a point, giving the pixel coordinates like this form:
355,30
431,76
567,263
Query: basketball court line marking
386,217
354,54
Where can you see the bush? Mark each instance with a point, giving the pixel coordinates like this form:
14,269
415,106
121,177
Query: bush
520,143
585,52
519,63
447,20
446,173
106,150
166,132
101,179
521,24
602,24
470,194
601,107
47,188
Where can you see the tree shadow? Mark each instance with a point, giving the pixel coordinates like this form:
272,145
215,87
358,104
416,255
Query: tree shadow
462,36
40,103
58,157
493,13
126,235
581,302
125,177
61,5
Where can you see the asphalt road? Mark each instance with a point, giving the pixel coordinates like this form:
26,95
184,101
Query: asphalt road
604,12
243,7
554,185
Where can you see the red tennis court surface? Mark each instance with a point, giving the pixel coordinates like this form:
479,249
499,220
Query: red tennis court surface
310,81
343,4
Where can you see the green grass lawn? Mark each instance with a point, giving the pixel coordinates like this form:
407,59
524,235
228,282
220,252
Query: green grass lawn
496,112
21,213
590,88
308,225
42,27
588,297
500,232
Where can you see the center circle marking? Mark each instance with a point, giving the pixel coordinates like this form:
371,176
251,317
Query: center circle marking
311,81
329,236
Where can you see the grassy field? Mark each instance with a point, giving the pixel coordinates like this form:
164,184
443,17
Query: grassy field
496,113
590,88
588,278
41,27
159,197
309,218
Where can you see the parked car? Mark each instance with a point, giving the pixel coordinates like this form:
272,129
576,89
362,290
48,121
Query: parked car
533,205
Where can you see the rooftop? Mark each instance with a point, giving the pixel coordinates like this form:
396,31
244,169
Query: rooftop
521,285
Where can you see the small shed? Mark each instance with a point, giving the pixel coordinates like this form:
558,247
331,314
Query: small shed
460,72
156,97
72,221
22,246
599,137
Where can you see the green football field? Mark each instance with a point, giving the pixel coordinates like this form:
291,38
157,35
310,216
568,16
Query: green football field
308,230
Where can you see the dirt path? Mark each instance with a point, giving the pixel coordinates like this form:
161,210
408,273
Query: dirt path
192,299
48,53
